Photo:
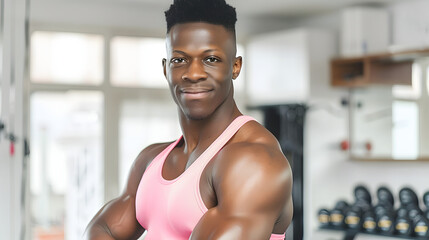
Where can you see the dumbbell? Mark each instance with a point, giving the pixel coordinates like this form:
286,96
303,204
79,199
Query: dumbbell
421,222
384,195
362,193
403,223
369,222
426,202
354,216
323,217
384,214
386,222
385,201
408,212
337,214
421,226
407,197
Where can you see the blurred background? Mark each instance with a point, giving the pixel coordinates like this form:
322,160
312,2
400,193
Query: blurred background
343,84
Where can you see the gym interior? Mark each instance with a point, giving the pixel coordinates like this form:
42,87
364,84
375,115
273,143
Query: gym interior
345,90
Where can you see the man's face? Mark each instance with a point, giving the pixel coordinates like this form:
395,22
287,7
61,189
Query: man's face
200,66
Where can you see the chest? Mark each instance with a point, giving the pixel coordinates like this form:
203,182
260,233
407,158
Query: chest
179,199
176,164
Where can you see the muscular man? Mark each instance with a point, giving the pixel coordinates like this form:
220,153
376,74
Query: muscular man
226,177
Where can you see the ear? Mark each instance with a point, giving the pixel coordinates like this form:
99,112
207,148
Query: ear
236,68
164,67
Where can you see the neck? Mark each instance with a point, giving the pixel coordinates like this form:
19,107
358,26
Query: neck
203,132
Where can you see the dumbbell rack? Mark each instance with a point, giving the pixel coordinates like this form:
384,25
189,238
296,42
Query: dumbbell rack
350,234
383,220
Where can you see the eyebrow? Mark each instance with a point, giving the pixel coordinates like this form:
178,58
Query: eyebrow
208,50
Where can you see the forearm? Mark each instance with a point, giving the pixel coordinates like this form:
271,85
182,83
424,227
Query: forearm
116,220
212,227
96,231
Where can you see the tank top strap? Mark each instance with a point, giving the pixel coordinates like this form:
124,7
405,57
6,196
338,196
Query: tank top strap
226,135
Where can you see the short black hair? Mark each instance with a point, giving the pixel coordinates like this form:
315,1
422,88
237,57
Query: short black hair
209,11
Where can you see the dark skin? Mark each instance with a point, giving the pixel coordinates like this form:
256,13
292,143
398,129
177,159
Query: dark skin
247,185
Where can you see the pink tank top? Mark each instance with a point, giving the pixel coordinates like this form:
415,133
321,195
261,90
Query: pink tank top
170,209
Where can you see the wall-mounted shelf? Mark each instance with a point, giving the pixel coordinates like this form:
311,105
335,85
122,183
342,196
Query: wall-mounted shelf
385,68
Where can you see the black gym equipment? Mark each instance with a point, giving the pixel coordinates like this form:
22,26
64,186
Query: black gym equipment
323,217
337,215
369,222
407,196
426,199
408,221
384,195
421,226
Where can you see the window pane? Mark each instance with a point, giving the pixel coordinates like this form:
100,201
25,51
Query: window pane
138,62
66,166
405,130
70,58
144,122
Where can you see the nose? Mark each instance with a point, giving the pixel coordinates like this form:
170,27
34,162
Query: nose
195,72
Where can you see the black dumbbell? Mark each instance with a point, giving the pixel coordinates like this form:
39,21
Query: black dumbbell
354,218
362,204
421,226
384,195
408,197
414,211
386,223
403,225
382,208
323,217
362,193
402,212
337,214
369,222
426,200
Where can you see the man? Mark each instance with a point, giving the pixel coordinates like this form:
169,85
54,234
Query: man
226,177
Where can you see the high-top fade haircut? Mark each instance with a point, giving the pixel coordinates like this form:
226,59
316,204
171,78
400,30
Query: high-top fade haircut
210,11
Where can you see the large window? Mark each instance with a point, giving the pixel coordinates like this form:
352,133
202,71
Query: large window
137,62
405,132
410,113
70,58
66,162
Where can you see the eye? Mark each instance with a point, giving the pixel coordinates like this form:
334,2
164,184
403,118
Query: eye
212,59
177,60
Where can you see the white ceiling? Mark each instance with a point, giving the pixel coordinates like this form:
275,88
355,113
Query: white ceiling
278,8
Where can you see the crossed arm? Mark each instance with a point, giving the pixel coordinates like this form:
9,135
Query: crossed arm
253,192
117,219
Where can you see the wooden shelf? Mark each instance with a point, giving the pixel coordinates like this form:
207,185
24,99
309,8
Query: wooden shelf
385,68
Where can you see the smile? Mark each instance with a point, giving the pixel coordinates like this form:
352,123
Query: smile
195,93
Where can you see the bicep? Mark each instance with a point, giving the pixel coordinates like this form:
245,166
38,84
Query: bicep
218,225
117,220
252,193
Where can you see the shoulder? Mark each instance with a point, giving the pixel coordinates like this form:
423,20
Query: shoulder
254,144
145,157
254,155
